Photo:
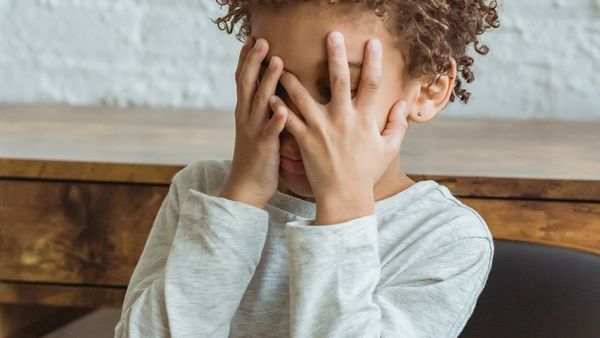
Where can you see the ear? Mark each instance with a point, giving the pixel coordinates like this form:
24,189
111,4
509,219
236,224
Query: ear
430,100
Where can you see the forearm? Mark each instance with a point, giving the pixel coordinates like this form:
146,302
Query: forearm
333,272
214,255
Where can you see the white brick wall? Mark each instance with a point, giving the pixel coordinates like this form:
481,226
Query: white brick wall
544,61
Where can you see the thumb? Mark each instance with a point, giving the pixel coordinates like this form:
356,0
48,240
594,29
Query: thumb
396,125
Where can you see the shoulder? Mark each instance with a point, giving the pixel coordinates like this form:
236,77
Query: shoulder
435,232
207,176
463,221
437,218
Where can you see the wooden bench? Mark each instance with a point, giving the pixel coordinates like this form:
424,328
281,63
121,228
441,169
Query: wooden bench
80,188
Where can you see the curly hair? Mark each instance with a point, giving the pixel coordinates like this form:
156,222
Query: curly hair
428,33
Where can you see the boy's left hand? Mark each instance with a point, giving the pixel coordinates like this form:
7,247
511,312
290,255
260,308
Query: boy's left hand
343,151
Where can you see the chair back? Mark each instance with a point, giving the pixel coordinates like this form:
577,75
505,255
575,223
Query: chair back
537,290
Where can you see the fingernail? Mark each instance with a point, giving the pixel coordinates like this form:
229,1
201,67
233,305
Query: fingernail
376,45
337,37
272,99
259,44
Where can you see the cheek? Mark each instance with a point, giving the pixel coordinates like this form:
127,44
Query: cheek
383,108
389,93
381,115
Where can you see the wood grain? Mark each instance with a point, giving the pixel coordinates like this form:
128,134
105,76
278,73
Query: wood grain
83,296
518,188
464,186
93,233
87,171
563,224
84,233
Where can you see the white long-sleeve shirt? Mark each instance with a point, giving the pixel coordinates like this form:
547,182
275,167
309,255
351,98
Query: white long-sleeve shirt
213,267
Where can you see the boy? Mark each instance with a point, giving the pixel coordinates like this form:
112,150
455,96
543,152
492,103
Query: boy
313,230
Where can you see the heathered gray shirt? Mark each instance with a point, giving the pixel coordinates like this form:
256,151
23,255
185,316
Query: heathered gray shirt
213,267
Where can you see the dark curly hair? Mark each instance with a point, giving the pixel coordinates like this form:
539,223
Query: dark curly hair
427,32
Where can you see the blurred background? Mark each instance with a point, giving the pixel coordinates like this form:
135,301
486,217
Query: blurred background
157,53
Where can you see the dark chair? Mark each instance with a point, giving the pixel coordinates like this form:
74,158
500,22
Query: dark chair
538,291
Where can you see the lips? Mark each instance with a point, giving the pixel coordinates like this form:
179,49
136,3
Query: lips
292,164
291,156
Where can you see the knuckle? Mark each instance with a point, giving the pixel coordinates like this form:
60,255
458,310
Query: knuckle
301,99
340,81
277,106
262,92
263,97
339,51
258,50
270,76
258,102
284,78
245,83
373,83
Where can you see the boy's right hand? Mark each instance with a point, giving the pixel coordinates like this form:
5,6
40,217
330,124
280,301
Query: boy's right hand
254,174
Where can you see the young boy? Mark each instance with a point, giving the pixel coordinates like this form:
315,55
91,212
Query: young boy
313,230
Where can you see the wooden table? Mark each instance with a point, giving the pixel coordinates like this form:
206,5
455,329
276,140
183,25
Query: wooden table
80,188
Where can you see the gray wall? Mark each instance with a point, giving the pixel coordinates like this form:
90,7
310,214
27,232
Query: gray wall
544,61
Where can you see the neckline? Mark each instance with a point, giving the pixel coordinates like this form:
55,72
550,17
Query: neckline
400,200
306,209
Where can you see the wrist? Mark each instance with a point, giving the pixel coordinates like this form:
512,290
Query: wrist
239,194
338,207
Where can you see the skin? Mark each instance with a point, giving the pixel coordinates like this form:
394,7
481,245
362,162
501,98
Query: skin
352,133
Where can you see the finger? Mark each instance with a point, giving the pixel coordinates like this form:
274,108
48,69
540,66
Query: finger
248,44
370,76
292,123
277,122
268,84
246,85
396,125
301,98
339,73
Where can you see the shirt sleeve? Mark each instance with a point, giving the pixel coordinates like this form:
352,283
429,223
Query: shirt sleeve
195,267
335,288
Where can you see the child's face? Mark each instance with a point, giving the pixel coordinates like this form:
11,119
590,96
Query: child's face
297,33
